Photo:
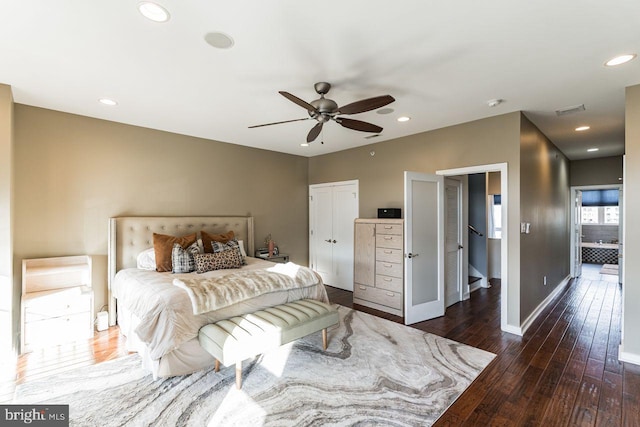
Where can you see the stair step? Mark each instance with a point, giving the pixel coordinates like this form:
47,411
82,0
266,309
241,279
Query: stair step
473,279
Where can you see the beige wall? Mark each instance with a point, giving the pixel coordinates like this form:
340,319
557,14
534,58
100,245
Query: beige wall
72,173
488,141
631,287
604,170
7,319
544,203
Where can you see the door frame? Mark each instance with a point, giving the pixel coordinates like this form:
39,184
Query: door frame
504,248
574,190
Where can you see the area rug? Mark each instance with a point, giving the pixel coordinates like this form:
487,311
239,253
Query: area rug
609,269
374,372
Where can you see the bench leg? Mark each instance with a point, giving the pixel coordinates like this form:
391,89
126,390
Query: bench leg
217,366
324,339
239,374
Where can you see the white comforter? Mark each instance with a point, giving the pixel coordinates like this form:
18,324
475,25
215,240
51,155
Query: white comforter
166,313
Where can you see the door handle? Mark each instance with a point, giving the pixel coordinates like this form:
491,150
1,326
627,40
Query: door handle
460,246
410,255
334,241
328,241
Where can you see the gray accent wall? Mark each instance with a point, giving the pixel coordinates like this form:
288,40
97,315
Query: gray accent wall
544,203
600,171
478,219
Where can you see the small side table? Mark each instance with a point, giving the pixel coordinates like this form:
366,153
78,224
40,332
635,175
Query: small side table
281,258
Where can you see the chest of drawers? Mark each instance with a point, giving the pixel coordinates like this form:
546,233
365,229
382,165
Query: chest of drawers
379,265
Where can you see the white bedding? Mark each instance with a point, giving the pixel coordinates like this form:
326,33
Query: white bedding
166,313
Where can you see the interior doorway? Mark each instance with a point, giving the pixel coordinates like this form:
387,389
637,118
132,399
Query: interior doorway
597,231
462,174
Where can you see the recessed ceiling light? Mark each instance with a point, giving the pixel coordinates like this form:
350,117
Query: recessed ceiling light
620,59
107,101
219,40
385,111
153,11
404,119
494,102
591,150
582,128
304,144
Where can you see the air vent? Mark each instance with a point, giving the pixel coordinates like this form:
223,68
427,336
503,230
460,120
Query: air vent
570,110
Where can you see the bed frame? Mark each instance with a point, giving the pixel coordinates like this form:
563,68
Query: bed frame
128,236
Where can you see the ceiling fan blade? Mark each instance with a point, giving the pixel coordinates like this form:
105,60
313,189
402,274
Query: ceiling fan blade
358,125
366,105
300,102
277,123
314,132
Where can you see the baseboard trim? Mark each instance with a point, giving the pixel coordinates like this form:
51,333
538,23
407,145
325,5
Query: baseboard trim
532,317
626,357
512,330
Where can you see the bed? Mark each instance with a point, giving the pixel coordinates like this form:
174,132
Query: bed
157,316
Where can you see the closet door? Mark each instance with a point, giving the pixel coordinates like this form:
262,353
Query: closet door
333,207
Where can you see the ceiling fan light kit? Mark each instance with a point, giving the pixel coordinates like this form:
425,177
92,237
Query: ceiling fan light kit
324,109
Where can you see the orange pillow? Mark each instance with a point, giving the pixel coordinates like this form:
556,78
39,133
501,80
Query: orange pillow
162,246
208,238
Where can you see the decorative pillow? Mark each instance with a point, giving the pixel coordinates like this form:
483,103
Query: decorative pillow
233,244
146,260
208,238
182,259
229,258
163,245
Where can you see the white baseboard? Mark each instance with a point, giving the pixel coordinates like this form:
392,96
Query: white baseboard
515,330
532,317
623,356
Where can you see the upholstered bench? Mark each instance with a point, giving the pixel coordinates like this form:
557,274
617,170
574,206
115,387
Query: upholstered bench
239,338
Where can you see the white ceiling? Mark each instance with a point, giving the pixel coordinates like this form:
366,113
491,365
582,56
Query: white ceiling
441,60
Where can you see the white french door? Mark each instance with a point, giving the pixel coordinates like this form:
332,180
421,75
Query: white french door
424,247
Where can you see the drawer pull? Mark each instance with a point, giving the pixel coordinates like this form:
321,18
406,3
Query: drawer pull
386,279
387,265
391,294
388,252
388,227
363,288
388,238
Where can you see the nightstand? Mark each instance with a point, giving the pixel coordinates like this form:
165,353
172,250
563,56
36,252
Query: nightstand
57,301
281,258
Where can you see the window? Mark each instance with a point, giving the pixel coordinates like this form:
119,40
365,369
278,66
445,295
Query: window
608,215
611,215
495,216
589,215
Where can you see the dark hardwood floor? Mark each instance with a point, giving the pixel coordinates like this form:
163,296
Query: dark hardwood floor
564,371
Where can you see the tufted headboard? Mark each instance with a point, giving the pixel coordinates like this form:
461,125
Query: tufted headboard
130,235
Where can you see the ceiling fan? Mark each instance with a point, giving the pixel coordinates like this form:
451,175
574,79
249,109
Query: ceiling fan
325,109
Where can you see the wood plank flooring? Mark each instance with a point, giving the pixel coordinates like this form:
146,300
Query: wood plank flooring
564,371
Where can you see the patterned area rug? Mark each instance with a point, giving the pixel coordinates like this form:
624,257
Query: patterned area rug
375,372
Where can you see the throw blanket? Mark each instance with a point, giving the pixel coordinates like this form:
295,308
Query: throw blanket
209,294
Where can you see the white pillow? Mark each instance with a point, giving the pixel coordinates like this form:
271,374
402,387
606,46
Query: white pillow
146,260
242,251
